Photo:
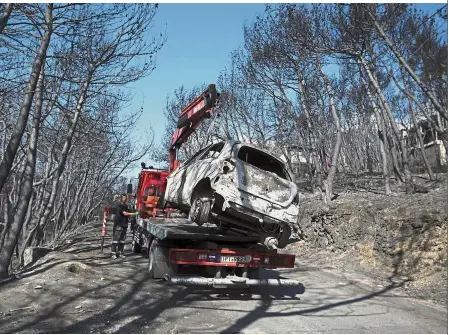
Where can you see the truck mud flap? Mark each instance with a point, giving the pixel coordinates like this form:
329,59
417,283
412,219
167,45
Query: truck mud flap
230,281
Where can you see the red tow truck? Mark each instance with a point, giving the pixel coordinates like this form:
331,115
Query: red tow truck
187,254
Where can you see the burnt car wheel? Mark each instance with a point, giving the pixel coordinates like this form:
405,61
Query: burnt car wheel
199,213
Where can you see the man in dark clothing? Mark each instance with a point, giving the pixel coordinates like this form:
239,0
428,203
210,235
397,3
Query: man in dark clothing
120,226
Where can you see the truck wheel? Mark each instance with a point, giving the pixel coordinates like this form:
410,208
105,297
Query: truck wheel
158,262
199,213
284,236
136,246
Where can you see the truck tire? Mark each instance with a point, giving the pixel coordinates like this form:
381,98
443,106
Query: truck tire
136,244
158,262
199,213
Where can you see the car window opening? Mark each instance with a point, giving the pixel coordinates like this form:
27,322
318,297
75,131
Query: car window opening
197,154
214,151
262,161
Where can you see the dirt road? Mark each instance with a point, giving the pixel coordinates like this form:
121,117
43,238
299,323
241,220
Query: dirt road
78,290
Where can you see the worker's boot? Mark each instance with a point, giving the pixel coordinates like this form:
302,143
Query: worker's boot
121,248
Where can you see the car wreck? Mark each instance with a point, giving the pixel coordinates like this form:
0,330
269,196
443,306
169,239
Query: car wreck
237,186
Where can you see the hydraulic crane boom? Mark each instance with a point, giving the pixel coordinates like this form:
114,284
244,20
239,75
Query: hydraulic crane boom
152,182
190,118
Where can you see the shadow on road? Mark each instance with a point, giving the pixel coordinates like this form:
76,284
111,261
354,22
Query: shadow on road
261,311
126,300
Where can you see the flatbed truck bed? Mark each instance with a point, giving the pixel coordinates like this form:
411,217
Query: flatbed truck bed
184,229
184,253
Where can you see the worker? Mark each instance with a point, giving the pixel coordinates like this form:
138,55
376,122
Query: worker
120,226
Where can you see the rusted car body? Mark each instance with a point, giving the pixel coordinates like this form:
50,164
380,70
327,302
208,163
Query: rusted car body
236,186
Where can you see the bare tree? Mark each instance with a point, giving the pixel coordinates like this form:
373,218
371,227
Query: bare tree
381,136
13,232
5,17
14,141
91,56
328,183
403,62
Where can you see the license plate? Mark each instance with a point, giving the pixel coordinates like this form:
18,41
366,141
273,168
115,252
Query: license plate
236,259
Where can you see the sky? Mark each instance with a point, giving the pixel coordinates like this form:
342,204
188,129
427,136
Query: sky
200,39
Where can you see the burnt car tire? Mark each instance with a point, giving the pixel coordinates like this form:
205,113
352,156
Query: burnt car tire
284,236
200,211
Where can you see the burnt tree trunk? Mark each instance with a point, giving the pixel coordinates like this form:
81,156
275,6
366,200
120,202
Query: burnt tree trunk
26,191
436,125
328,183
381,137
65,151
396,131
316,173
406,91
428,92
421,143
5,17
19,129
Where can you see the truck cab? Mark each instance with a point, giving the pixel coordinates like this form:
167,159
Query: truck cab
151,186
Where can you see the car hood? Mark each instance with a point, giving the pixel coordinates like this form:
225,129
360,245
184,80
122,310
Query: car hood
265,184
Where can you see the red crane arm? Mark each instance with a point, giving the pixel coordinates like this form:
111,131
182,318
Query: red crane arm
190,118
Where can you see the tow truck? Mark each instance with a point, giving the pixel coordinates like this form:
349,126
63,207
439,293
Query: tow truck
184,253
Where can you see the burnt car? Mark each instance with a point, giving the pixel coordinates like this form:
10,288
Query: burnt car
236,186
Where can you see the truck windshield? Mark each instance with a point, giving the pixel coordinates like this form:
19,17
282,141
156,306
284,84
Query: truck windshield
152,191
262,161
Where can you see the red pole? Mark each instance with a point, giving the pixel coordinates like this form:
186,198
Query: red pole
103,228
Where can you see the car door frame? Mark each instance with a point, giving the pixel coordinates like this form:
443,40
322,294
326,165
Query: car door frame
176,178
193,180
